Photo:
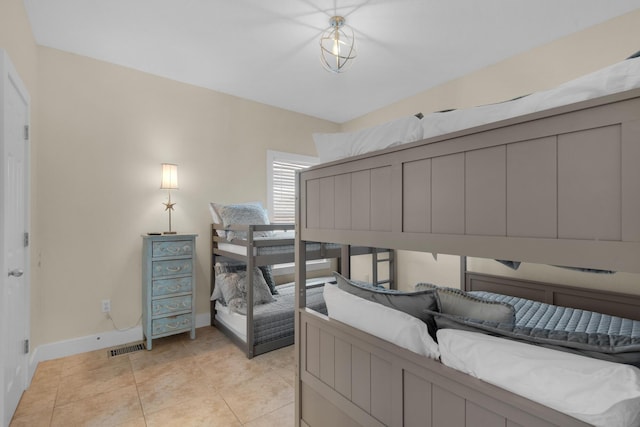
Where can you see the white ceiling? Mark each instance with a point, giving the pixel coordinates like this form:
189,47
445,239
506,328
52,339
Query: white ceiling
268,50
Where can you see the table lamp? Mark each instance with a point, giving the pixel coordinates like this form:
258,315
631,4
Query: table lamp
169,182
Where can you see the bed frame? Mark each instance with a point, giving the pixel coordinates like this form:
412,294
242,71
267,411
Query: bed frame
342,253
560,187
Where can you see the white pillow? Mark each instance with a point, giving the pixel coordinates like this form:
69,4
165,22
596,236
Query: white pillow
334,146
376,319
595,391
615,78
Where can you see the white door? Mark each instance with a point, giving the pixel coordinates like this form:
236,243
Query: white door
14,294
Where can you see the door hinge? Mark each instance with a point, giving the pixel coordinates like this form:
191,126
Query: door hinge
26,346
26,132
26,239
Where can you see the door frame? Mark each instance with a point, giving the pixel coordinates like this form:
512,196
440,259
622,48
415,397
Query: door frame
9,75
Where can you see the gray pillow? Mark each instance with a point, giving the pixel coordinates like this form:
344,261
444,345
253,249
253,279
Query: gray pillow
233,267
459,303
226,287
242,214
415,304
233,287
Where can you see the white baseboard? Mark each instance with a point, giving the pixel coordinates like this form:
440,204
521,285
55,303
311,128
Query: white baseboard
203,319
93,342
73,346
89,343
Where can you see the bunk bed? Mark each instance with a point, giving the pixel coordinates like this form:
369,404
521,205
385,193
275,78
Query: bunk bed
559,186
269,323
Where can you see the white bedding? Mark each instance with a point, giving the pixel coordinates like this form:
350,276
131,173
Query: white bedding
616,78
598,392
232,320
381,321
332,146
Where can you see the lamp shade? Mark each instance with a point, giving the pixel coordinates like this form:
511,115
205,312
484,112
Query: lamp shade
169,177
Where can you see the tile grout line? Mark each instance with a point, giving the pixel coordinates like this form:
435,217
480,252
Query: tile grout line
55,400
224,400
135,382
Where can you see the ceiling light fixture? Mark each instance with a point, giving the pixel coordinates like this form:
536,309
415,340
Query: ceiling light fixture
337,46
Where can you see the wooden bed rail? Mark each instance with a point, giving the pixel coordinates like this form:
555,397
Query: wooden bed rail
351,378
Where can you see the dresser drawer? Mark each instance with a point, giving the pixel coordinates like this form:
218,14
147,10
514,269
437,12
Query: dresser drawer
172,248
170,305
171,286
171,324
168,286
171,267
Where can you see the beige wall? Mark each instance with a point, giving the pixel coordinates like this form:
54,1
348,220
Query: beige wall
17,39
538,69
105,130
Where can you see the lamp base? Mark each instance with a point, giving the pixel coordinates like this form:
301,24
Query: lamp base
169,232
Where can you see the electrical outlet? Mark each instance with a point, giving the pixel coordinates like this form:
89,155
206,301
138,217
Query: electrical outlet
106,306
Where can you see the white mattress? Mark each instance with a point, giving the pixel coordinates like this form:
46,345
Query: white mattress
616,78
601,393
234,321
619,77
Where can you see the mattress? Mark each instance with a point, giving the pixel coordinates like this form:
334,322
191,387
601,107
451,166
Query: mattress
274,320
578,331
597,392
619,77
538,315
275,249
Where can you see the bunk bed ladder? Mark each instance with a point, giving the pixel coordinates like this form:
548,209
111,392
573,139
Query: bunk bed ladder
376,261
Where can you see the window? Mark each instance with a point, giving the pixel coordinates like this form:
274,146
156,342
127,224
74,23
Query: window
281,197
281,183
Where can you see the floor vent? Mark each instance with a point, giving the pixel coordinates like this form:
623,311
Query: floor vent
126,349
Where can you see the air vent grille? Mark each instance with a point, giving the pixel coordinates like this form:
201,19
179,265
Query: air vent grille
126,349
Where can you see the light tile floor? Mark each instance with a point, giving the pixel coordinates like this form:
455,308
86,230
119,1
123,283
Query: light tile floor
181,382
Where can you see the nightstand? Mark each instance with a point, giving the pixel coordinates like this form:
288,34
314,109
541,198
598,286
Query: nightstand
168,285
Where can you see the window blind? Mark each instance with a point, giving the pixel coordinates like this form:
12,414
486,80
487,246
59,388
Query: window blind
284,187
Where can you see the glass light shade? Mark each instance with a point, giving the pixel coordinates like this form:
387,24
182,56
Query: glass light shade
169,177
337,46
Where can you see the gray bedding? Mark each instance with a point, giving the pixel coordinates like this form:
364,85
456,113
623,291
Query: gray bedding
275,320
567,329
276,248
537,315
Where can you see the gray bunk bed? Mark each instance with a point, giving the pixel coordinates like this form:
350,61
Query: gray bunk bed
270,326
559,186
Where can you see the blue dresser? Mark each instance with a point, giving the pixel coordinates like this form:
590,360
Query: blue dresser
168,286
